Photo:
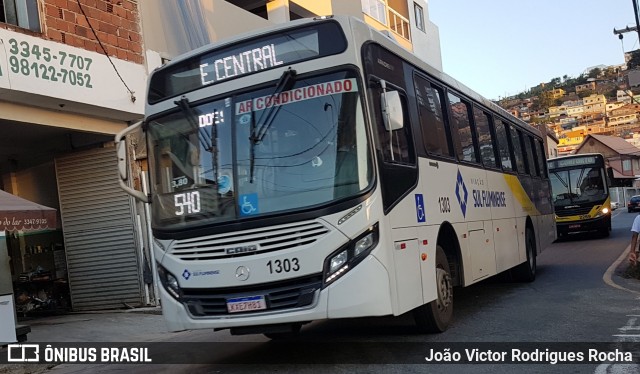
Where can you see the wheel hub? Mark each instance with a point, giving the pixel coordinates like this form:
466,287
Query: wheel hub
445,289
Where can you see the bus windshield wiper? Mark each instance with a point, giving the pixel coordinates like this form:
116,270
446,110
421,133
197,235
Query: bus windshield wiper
260,127
207,140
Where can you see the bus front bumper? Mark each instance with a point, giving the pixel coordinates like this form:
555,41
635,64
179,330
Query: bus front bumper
594,224
363,291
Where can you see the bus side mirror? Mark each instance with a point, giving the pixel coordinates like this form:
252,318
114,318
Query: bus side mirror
121,152
392,110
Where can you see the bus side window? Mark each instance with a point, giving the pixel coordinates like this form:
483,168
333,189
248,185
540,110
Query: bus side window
461,123
542,164
435,132
517,150
531,165
487,151
503,146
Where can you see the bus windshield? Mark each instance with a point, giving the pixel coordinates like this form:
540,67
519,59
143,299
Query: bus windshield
260,152
575,186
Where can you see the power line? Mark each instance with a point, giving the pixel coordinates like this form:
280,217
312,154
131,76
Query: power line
133,97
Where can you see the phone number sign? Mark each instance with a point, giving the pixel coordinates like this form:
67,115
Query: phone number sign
43,67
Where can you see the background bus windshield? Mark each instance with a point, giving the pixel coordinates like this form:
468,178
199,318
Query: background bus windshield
260,152
575,186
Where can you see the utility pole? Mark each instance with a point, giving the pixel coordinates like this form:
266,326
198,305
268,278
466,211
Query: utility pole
635,11
630,29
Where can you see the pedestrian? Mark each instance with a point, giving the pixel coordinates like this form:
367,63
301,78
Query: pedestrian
635,229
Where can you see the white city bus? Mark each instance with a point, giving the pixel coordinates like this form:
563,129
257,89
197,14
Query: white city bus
317,170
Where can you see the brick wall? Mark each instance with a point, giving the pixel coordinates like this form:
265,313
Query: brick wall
116,22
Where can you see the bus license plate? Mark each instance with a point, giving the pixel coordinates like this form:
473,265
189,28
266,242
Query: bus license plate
246,304
574,226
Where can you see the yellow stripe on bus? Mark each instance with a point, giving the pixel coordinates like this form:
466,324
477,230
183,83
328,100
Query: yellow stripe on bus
521,195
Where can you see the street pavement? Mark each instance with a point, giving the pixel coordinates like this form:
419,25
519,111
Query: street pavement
147,324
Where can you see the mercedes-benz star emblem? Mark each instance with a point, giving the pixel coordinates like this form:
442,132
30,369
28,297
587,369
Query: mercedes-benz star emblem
242,273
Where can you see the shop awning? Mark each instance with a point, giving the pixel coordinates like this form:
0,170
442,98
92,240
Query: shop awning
18,214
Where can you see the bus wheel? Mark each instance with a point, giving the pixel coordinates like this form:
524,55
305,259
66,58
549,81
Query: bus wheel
437,315
526,272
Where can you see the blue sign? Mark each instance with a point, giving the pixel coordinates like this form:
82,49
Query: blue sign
461,194
420,212
186,274
249,204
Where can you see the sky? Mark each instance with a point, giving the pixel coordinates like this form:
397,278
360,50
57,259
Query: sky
500,48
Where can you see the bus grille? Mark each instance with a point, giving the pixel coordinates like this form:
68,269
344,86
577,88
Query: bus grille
293,293
249,242
560,212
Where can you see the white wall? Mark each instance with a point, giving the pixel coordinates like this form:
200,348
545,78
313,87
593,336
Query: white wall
171,27
426,44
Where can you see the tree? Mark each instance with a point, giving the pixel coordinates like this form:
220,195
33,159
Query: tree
581,80
610,72
595,73
544,101
634,62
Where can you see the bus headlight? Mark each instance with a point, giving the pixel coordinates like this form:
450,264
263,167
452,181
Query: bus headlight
169,282
337,261
348,256
602,212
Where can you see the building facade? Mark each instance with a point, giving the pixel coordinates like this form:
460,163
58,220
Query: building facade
72,74
621,156
174,27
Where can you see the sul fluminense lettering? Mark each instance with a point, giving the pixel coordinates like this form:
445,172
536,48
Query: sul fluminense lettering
249,61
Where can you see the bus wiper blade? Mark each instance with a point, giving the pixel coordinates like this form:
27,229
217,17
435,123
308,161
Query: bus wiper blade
205,139
259,128
285,82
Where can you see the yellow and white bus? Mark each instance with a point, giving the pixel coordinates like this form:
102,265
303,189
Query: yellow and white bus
580,189
317,170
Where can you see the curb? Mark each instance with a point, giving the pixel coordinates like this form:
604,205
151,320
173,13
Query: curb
608,276
144,310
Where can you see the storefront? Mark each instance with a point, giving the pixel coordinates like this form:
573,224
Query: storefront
57,150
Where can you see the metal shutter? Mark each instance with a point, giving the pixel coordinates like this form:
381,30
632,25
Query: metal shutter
99,234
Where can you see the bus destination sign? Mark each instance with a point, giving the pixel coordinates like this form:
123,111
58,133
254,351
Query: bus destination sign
572,161
246,57
252,60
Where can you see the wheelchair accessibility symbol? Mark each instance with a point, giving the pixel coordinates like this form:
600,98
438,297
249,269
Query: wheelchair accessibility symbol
420,213
249,204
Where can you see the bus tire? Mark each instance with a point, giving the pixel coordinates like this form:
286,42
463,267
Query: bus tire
436,316
526,272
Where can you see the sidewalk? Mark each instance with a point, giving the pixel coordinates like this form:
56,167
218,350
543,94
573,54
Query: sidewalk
622,276
131,325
